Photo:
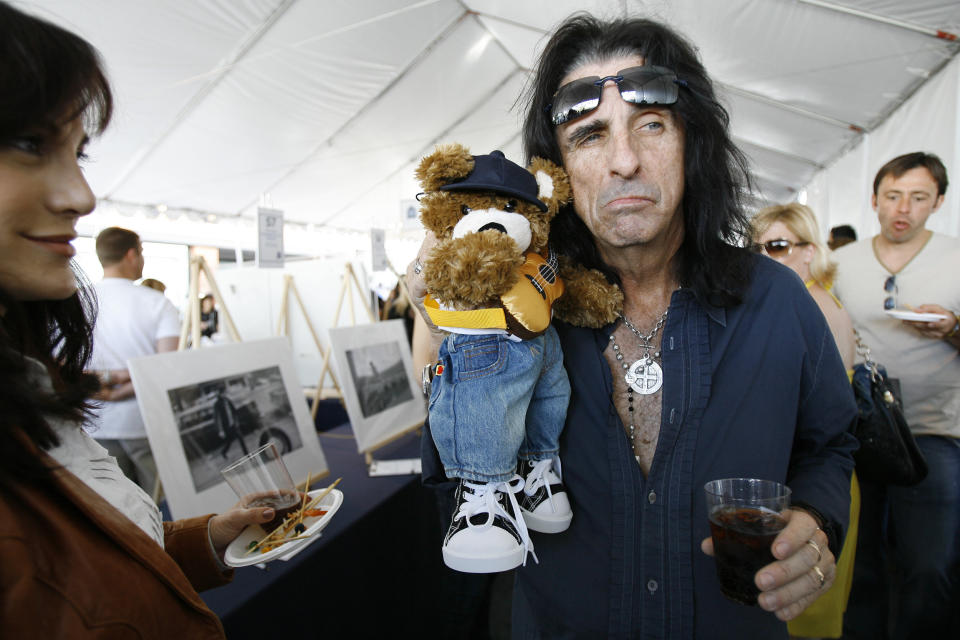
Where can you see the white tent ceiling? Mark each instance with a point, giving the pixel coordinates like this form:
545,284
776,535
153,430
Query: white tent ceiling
323,107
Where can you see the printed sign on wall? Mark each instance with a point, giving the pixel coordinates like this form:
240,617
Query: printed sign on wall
270,232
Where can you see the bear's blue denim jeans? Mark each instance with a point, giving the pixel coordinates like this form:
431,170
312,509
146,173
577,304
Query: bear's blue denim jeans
497,400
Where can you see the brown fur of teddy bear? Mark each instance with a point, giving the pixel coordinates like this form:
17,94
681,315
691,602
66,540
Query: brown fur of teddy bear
474,270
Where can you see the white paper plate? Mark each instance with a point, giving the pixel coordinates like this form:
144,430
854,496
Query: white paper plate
237,556
904,314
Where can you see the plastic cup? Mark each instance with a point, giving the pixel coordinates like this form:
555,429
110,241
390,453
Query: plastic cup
745,517
261,479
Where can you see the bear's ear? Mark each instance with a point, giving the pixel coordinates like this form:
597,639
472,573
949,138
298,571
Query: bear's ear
439,213
552,182
447,163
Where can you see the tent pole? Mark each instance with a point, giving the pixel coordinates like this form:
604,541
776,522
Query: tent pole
935,33
792,108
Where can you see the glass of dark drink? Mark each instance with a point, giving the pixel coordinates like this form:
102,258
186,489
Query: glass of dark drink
261,479
745,517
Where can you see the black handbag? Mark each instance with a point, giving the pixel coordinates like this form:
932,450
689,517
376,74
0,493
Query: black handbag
888,453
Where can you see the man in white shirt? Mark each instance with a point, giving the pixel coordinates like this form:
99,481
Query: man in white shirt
908,267
132,321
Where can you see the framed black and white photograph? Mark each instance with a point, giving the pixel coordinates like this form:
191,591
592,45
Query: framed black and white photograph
206,408
221,419
376,375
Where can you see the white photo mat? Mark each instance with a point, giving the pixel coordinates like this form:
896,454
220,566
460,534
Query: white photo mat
375,371
176,392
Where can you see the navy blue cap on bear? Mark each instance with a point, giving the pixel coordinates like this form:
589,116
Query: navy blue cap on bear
494,172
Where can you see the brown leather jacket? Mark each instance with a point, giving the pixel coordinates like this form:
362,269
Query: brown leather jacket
72,566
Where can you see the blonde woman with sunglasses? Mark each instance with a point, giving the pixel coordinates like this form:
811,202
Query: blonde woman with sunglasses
789,234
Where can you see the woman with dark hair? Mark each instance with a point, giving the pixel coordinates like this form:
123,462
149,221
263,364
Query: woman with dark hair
209,318
82,549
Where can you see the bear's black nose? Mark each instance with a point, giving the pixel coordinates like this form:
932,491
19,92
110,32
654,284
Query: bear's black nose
493,225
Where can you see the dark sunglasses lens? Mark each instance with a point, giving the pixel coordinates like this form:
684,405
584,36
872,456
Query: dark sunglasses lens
890,284
889,303
575,99
776,248
649,85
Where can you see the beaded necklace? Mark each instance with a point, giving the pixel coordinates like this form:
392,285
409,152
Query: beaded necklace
645,376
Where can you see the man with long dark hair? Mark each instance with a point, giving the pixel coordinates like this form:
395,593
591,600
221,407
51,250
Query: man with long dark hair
720,365
750,383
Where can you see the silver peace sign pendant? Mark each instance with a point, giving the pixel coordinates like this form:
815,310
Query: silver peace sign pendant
644,376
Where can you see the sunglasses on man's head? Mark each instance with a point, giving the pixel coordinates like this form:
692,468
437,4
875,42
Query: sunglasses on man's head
777,248
637,85
890,286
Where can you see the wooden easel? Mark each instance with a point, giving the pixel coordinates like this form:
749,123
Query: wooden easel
368,454
191,321
348,276
283,329
401,280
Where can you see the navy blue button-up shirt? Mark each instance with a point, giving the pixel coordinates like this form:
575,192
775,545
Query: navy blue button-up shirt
757,390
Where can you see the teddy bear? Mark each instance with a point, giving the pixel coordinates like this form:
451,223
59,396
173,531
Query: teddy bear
499,394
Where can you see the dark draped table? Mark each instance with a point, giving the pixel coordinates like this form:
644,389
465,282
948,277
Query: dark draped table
369,574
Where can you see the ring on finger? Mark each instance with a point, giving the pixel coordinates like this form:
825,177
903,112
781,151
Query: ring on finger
816,548
820,576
